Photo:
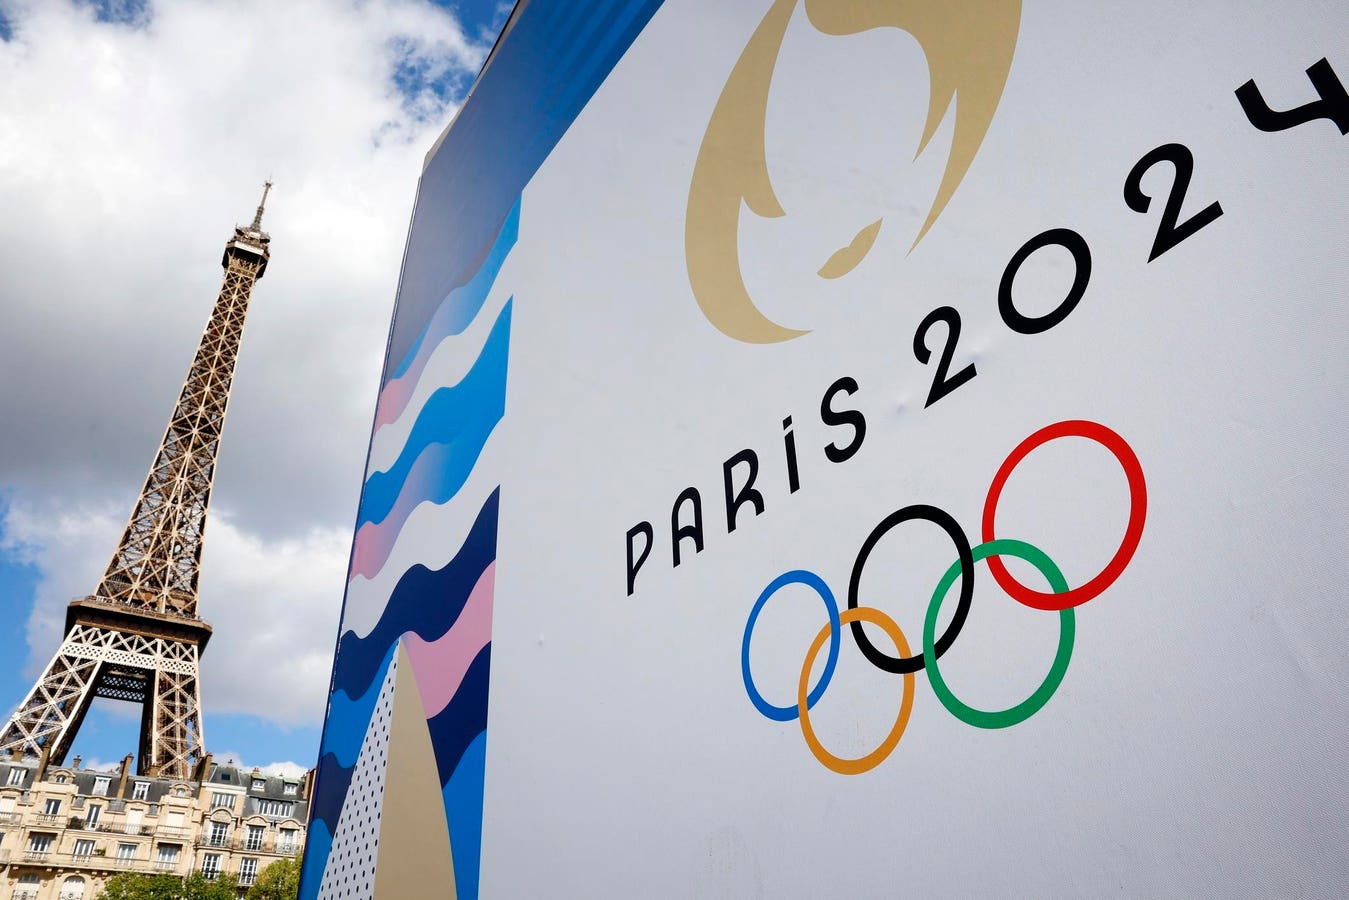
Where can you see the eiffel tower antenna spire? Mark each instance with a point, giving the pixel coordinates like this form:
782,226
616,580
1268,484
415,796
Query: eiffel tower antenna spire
139,637
257,218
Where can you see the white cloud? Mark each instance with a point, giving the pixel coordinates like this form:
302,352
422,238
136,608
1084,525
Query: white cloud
274,605
127,153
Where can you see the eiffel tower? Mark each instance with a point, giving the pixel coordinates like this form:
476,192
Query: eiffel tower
138,637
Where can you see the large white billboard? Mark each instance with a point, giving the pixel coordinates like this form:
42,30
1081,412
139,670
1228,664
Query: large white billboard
862,448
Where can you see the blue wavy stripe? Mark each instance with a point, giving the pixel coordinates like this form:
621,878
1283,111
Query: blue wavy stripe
349,718
333,780
318,844
424,602
463,811
463,718
460,417
555,57
460,307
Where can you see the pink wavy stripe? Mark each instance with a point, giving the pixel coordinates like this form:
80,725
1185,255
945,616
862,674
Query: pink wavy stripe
396,394
440,665
375,540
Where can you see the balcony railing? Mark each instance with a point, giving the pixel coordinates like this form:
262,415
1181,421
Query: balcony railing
124,828
209,874
166,865
246,844
23,894
36,856
48,818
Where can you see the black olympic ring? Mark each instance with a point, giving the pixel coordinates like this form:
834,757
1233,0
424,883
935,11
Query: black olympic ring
942,519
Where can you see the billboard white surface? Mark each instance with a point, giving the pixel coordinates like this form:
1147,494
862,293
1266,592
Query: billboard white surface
844,449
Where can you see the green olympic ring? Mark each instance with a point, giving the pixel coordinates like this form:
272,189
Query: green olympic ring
1031,705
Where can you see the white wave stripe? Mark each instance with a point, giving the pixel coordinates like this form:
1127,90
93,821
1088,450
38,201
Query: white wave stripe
431,536
447,365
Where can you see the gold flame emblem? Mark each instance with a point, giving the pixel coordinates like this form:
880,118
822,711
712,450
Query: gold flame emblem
969,49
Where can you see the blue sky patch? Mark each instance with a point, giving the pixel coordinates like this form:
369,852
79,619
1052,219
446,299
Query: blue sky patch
121,12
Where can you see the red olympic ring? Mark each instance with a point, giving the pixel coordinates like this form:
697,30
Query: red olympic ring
1138,511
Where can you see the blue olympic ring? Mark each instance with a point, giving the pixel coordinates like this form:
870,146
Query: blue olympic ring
815,583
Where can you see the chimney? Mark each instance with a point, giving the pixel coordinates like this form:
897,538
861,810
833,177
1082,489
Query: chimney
121,785
77,761
41,772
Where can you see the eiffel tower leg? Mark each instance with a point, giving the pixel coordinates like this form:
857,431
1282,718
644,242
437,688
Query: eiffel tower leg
176,741
53,710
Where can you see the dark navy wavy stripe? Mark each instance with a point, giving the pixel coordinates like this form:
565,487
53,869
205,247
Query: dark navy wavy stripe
460,417
317,845
426,602
349,717
333,780
463,718
547,68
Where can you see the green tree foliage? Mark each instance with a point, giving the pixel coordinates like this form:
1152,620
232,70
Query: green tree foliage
128,886
279,881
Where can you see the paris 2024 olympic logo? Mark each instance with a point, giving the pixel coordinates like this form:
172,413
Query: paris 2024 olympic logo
969,47
1061,598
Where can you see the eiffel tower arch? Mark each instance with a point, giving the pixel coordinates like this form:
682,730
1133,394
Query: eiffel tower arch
138,637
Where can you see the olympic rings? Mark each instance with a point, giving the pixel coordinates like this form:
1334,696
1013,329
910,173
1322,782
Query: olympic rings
1061,599
1067,629
942,519
876,757
1138,511
815,583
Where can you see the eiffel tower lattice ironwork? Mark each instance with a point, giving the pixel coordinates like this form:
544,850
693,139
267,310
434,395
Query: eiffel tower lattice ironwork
138,637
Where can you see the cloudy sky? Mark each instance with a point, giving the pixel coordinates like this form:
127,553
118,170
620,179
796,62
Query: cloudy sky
133,136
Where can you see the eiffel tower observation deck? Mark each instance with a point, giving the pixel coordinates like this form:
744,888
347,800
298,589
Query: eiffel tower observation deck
139,636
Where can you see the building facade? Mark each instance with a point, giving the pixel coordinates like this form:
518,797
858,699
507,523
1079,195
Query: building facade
65,830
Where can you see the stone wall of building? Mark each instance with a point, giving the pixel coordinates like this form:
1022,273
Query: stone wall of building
64,830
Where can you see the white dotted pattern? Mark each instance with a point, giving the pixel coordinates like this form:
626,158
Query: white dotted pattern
350,871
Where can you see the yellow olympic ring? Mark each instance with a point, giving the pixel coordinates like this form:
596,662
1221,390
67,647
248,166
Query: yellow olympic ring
876,757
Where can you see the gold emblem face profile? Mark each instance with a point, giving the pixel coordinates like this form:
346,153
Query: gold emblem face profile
969,48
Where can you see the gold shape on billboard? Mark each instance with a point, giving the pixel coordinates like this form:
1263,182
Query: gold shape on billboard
969,48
